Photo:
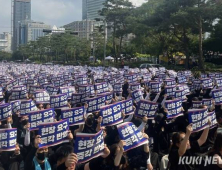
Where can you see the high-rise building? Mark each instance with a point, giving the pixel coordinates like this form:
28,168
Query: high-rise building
31,31
90,9
21,10
84,28
5,42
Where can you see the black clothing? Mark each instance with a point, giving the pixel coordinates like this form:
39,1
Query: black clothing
174,157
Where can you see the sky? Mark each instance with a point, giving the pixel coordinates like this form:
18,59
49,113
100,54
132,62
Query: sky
52,12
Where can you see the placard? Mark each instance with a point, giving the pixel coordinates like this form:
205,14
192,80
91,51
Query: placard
170,91
74,115
53,133
137,95
52,90
40,116
95,103
135,86
127,107
41,96
174,108
59,101
5,111
207,83
101,88
111,114
8,139
154,86
198,118
88,89
18,95
131,135
217,96
146,108
27,106
16,105
78,98
88,146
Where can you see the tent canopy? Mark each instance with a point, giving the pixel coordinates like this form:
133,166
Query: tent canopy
109,58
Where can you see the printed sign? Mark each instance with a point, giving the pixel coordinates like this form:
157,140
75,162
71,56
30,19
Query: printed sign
174,108
16,105
52,90
27,106
207,102
88,89
88,146
207,83
5,111
53,133
127,107
40,116
137,95
131,135
135,86
170,82
181,79
196,104
59,101
78,98
170,90
74,115
180,94
82,81
131,78
67,90
217,96
198,118
41,96
95,103
154,86
213,119
112,114
8,139
146,108
18,95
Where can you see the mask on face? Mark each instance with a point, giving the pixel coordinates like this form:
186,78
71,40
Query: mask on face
40,156
24,122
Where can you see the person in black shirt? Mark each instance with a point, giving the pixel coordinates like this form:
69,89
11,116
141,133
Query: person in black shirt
216,152
182,147
125,89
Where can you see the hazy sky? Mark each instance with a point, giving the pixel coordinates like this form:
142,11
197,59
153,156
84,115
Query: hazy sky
52,12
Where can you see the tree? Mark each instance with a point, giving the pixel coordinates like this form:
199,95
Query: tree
116,13
172,17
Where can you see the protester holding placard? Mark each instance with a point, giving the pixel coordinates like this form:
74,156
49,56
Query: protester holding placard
181,146
106,130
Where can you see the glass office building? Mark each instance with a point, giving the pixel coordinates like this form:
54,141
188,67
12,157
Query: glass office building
90,9
21,11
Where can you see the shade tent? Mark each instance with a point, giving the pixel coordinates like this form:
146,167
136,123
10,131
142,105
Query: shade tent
109,58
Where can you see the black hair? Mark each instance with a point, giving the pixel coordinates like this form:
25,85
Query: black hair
217,143
176,138
63,152
195,99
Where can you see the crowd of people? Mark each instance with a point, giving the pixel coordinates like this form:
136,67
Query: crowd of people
168,140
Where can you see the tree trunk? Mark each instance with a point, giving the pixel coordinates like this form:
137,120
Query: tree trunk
187,61
201,60
114,43
120,48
